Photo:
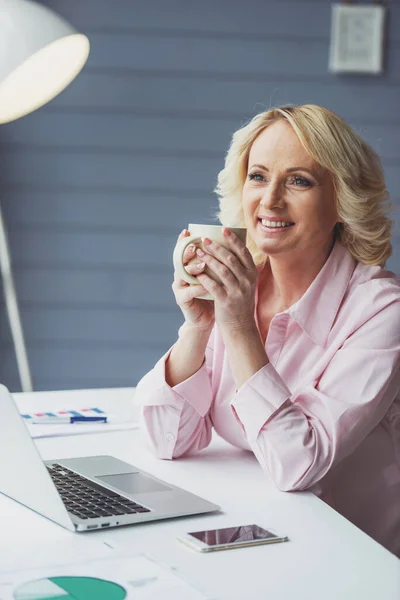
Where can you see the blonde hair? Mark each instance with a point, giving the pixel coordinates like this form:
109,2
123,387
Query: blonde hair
362,200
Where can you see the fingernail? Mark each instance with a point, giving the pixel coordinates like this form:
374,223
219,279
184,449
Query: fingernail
183,231
201,265
200,252
206,241
226,231
191,249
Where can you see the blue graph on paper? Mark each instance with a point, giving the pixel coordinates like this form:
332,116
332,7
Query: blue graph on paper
87,412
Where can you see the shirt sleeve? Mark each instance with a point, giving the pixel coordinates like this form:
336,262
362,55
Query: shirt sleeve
298,437
176,419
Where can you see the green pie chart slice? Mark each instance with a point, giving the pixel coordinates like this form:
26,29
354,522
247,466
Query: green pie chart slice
70,588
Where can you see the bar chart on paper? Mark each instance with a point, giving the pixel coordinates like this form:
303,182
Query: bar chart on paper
82,412
58,423
70,588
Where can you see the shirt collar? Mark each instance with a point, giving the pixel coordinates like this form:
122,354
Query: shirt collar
317,308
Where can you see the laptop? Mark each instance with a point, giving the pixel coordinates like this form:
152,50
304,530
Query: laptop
88,493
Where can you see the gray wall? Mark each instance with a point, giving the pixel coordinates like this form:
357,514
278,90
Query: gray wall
96,186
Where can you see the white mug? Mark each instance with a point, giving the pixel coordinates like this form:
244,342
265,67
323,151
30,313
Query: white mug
198,231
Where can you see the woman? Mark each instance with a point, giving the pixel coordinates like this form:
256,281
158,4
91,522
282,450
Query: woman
297,359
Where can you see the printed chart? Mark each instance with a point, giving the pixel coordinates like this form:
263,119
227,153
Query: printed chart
66,412
117,578
70,588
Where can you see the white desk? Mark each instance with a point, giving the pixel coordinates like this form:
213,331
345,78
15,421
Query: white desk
326,556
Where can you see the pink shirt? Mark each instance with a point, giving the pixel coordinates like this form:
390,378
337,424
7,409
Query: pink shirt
323,415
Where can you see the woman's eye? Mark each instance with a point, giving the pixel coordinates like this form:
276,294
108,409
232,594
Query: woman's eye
256,177
301,181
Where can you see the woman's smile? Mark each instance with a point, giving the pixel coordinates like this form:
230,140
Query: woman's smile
273,225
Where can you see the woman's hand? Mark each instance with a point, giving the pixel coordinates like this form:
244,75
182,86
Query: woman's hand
196,312
235,296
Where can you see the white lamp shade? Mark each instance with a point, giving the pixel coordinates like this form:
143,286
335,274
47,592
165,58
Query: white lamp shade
40,54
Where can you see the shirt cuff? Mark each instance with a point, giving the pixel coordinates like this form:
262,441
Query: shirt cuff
196,390
258,400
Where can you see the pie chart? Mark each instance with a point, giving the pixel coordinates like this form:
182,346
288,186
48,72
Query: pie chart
70,588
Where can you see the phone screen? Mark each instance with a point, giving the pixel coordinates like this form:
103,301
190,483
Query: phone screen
233,535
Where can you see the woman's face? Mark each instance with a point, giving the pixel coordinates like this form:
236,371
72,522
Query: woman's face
285,186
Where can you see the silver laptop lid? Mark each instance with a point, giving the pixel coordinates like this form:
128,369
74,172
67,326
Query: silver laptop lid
23,476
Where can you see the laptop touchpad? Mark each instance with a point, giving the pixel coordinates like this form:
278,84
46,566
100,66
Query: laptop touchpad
134,483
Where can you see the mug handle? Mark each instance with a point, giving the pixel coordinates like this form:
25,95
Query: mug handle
178,258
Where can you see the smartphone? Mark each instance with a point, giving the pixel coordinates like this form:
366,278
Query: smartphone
230,537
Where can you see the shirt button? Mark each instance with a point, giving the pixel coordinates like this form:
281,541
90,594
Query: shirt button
169,436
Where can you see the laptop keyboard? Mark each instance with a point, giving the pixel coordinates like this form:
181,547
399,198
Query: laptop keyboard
86,499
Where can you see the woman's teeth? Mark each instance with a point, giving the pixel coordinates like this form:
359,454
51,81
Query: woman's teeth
267,223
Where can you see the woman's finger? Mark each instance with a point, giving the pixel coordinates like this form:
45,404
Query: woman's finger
189,253
179,283
235,259
191,292
239,249
195,268
224,270
221,261
187,291
183,233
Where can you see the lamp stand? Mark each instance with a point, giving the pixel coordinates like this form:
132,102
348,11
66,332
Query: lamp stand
14,318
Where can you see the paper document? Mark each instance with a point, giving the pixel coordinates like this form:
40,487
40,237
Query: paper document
39,424
119,578
53,430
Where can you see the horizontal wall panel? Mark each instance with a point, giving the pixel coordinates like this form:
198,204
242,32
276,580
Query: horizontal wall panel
258,17
86,169
122,132
396,218
74,383
221,16
221,55
392,177
393,264
121,91
67,248
70,383
249,59
138,327
61,168
112,289
132,133
383,138
108,211
93,364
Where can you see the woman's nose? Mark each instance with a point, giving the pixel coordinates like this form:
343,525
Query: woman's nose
272,196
